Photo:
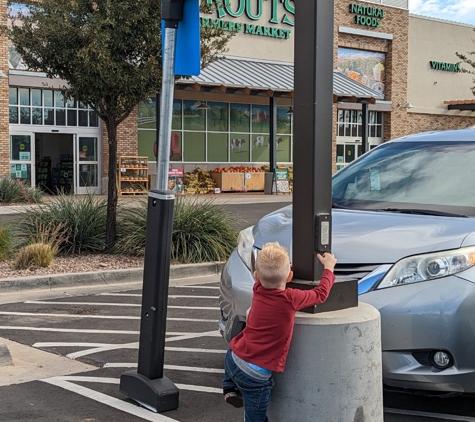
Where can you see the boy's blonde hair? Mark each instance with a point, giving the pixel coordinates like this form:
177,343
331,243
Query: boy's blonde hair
272,265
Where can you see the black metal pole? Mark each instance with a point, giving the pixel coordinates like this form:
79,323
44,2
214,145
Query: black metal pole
148,386
364,127
273,134
313,83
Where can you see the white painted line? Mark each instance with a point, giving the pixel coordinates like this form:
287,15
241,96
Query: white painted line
197,287
443,416
40,302
68,315
103,380
170,296
169,367
186,349
105,347
134,305
121,405
98,316
69,330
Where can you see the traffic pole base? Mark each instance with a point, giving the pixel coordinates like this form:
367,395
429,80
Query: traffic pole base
158,395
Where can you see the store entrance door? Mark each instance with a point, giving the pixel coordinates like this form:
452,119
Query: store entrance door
86,163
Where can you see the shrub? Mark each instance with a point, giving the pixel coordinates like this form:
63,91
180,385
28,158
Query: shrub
202,231
82,220
14,191
5,241
34,255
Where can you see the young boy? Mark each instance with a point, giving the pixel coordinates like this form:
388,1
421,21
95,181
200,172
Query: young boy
262,346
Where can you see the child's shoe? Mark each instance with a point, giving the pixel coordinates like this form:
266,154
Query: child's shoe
234,399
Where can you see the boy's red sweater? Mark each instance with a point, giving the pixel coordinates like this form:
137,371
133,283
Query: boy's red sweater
269,327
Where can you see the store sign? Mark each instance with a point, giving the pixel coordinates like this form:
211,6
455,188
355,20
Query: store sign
448,67
281,12
367,15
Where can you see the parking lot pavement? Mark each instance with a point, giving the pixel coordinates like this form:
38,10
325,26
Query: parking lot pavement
75,346
101,331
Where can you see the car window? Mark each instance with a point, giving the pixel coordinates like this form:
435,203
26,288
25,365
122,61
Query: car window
427,173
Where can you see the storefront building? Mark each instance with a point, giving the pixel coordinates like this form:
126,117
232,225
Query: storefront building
395,74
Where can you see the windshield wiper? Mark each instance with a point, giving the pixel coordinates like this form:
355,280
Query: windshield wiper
335,205
421,212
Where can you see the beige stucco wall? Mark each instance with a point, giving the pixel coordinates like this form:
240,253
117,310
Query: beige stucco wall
258,46
436,40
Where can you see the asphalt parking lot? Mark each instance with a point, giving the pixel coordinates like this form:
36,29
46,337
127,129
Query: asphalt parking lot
100,331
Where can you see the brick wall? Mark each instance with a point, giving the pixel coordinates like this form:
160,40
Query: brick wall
4,113
127,143
426,122
395,22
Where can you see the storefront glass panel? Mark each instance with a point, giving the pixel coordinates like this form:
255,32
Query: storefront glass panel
13,115
240,117
25,115
260,119
82,115
48,98
194,146
217,117
13,97
24,96
146,138
21,172
284,147
36,97
177,115
217,147
72,118
148,114
240,148
88,175
260,148
176,147
60,117
48,114
284,120
37,116
20,147
193,118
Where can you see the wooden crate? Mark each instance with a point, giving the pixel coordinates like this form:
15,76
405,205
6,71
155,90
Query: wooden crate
229,182
254,181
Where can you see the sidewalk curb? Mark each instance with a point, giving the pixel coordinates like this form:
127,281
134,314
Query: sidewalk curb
49,282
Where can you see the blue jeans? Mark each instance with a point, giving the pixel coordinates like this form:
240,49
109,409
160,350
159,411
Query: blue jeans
255,393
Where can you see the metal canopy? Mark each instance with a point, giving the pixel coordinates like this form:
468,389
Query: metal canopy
252,77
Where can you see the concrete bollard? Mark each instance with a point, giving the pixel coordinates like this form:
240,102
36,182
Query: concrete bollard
333,371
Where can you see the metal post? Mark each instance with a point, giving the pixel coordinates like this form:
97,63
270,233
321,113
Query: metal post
364,127
273,134
313,112
148,386
312,130
166,105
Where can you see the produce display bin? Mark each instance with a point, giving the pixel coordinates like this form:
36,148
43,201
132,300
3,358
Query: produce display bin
254,181
229,182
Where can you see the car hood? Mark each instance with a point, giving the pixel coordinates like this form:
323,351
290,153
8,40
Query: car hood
374,237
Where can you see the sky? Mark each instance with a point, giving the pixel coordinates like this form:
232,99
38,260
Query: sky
453,10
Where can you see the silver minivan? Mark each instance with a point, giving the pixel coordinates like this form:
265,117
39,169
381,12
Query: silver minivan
404,226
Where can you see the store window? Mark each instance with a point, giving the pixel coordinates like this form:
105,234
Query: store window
48,107
217,132
350,132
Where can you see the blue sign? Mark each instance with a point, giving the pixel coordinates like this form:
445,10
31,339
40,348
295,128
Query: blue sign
188,48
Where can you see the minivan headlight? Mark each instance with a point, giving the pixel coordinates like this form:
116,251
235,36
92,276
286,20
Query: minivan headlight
428,267
245,246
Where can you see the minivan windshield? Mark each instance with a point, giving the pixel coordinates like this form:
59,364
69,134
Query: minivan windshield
410,176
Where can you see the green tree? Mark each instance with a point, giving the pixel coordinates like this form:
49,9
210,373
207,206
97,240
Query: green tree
109,52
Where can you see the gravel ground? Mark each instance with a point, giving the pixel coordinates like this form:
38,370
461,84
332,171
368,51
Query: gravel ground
76,264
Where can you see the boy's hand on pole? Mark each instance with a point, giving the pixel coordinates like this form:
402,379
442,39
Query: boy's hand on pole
328,260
